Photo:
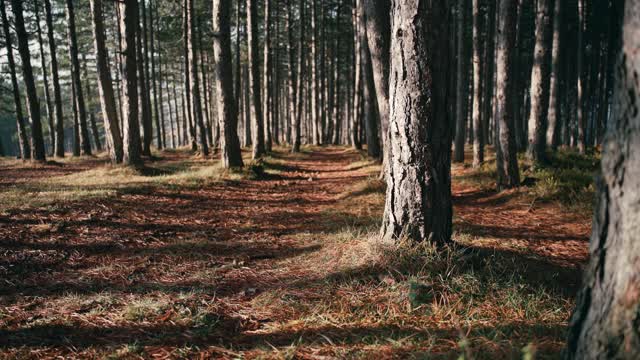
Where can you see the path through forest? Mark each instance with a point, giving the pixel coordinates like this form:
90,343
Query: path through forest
222,267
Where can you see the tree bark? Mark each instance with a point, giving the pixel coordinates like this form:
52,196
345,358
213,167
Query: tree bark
45,78
604,324
257,125
462,89
157,107
105,86
371,118
315,83
131,131
23,140
57,94
478,139
418,200
143,82
555,103
267,76
297,100
91,113
506,154
357,79
85,143
540,82
223,77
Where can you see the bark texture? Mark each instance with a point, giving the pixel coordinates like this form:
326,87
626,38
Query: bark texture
605,322
226,104
131,127
105,86
555,103
418,199
257,131
478,140
55,79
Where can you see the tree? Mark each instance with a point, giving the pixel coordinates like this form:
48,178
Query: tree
226,104
371,118
45,77
357,78
507,161
23,141
540,81
85,143
33,105
105,86
462,90
143,81
196,105
604,322
154,83
315,82
378,23
131,129
57,94
478,140
418,200
257,131
296,128
555,103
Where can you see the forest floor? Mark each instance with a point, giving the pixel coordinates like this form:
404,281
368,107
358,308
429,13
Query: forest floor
181,259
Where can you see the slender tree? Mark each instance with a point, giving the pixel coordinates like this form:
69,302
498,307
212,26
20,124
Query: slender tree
540,81
296,130
157,107
418,201
507,161
462,89
129,24
143,81
92,117
196,102
23,140
555,103
85,143
105,86
257,131
267,76
315,81
55,78
478,140
45,77
357,83
33,105
604,323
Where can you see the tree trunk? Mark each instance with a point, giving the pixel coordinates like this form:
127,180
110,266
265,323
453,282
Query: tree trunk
85,143
357,83
105,86
540,81
315,86
23,140
37,140
506,154
478,139
57,94
45,77
267,76
248,100
418,200
371,118
462,88
297,99
196,102
157,107
223,77
131,131
92,116
257,125
143,82
378,14
555,103
604,324
581,79
291,80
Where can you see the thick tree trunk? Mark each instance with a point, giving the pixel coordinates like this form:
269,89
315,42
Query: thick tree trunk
45,78
257,125
57,94
378,14
33,105
85,143
604,324
478,139
462,88
105,86
226,104
370,115
555,103
507,161
131,131
540,81
418,201
23,140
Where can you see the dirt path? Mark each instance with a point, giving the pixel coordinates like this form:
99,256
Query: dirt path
156,265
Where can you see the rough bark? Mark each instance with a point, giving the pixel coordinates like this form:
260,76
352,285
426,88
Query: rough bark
315,81
45,77
105,86
55,79
267,77
291,79
604,324
196,102
462,88
257,125
157,106
478,139
92,117
540,81
85,143
507,161
357,79
296,128
33,105
555,103
131,130
223,77
143,82
370,115
378,13
23,140
418,200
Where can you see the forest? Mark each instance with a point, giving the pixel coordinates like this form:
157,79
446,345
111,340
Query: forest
319,179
